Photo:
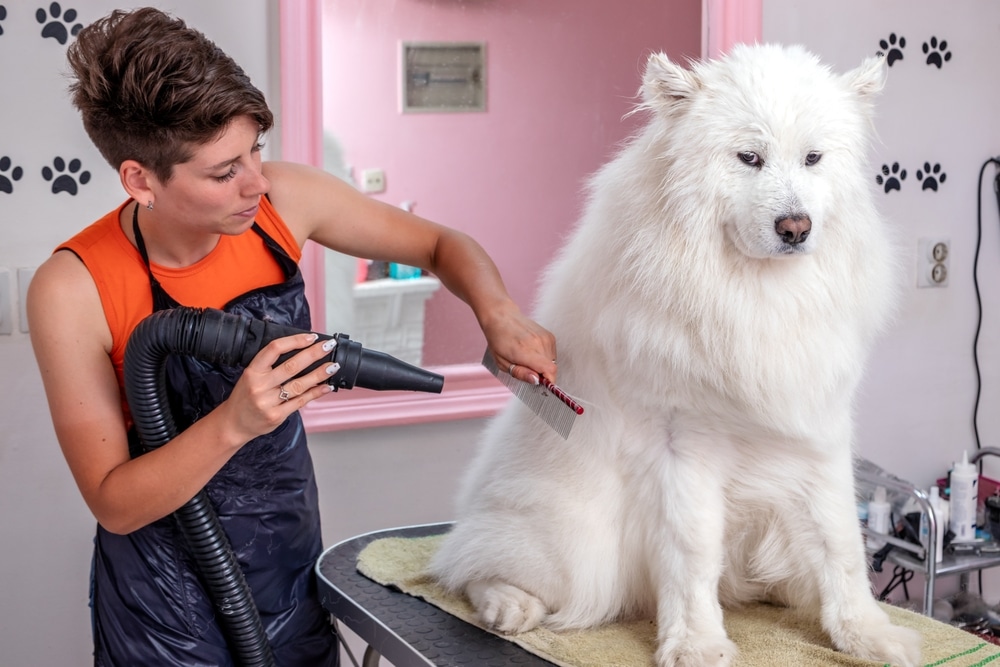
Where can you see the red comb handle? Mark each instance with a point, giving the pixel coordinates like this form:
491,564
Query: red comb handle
562,396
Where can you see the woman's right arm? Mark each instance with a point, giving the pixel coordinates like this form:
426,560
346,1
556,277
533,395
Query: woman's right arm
71,341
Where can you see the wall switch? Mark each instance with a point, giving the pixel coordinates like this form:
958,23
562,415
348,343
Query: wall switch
24,277
6,311
372,180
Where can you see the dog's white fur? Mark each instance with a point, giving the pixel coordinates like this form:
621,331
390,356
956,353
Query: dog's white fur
718,365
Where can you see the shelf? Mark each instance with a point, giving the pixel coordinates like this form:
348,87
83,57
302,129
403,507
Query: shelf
911,556
950,564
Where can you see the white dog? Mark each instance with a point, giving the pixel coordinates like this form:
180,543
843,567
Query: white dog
713,309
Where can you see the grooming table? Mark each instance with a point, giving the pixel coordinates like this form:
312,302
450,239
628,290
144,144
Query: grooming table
411,632
406,630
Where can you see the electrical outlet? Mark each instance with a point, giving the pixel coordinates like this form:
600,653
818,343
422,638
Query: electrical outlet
372,180
933,262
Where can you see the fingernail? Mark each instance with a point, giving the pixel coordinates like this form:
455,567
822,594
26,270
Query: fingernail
313,337
330,344
533,378
332,368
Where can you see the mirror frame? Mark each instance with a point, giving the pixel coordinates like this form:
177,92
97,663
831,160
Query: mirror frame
470,390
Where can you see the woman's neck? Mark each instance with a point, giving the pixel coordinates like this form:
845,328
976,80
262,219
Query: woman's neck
167,245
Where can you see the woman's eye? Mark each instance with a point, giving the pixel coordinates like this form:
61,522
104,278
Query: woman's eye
812,158
750,158
227,176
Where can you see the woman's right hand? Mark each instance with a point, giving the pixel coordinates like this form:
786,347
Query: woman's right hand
266,394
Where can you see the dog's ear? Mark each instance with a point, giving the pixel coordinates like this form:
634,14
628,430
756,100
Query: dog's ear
666,85
868,79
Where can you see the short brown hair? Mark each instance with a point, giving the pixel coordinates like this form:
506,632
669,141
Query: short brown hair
150,89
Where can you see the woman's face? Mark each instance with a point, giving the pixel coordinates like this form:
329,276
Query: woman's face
218,190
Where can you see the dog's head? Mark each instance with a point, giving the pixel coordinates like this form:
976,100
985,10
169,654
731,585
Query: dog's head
775,143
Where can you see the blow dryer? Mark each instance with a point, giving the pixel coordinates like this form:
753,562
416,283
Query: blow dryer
368,369
233,340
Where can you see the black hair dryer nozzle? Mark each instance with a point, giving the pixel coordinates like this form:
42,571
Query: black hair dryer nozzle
372,369
359,367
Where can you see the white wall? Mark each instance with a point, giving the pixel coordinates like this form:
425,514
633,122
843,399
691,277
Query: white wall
916,414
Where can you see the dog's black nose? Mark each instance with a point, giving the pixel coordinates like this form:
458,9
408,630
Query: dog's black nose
793,229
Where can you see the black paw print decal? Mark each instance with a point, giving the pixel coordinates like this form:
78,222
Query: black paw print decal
62,182
892,48
3,15
931,177
55,28
7,181
937,52
891,178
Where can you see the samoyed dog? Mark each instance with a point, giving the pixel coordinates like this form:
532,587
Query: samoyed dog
714,308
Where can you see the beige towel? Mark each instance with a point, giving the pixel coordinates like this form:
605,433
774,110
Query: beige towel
767,636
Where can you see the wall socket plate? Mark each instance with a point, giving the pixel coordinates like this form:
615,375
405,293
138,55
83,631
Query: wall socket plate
24,277
933,262
6,308
372,180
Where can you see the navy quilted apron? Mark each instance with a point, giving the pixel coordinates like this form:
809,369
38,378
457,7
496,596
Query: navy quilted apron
149,607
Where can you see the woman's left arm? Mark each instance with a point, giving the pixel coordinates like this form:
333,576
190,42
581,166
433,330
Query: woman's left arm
320,207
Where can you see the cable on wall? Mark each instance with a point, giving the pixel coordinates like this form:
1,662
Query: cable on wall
975,282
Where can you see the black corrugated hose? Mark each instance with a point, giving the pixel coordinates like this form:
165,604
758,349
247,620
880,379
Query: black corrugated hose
233,340
183,331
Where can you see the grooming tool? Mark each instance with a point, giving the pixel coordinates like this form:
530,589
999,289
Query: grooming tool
552,404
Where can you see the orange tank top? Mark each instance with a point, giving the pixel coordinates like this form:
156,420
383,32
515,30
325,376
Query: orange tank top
238,264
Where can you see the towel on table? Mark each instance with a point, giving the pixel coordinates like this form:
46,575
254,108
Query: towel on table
765,634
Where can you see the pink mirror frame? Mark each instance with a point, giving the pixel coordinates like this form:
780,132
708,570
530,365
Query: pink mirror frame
470,391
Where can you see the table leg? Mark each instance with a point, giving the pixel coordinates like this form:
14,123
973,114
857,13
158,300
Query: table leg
371,658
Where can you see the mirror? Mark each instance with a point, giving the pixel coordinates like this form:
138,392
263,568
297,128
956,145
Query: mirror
559,79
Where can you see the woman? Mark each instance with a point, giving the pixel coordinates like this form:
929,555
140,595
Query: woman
208,224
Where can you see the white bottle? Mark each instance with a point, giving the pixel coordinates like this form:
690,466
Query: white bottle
940,508
879,511
944,518
964,500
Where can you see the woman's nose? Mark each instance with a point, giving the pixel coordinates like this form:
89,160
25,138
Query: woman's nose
257,184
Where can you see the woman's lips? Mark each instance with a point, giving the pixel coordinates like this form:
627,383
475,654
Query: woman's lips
250,212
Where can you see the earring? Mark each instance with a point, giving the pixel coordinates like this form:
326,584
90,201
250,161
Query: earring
149,204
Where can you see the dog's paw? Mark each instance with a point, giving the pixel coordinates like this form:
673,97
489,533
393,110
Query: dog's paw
884,642
505,608
697,651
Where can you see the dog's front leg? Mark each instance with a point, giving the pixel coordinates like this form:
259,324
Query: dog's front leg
686,557
849,613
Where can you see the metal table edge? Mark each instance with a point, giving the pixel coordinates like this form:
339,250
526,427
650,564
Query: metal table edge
399,650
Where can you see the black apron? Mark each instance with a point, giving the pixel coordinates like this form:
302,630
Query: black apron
149,607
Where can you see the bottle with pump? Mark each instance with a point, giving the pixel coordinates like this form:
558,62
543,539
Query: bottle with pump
879,511
940,508
964,500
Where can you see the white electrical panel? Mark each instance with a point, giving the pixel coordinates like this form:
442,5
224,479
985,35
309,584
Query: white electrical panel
443,76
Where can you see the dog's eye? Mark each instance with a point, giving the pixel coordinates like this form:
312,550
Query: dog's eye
751,158
812,158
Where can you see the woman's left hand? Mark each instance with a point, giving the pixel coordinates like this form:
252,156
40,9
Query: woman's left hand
520,345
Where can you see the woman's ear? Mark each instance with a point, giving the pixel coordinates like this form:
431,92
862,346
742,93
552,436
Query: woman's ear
137,181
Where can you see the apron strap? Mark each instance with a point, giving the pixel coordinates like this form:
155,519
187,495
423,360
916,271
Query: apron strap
163,301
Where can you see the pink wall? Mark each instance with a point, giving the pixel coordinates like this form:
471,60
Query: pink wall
560,75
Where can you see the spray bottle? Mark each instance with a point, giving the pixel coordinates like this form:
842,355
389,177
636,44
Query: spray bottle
879,511
964,485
